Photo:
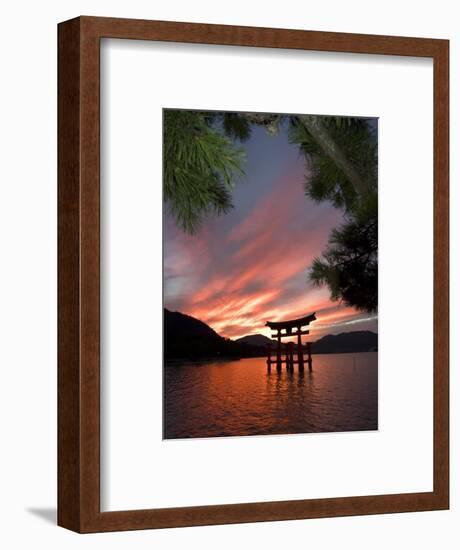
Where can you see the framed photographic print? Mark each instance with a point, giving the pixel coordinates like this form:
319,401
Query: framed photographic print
253,274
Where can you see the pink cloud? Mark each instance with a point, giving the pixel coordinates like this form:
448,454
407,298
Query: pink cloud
258,270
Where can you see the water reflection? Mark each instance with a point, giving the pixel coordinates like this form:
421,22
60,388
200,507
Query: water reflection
241,398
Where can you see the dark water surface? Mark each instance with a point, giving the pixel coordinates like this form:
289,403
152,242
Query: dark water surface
234,398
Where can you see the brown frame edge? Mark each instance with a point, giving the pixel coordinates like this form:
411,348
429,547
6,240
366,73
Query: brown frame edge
78,274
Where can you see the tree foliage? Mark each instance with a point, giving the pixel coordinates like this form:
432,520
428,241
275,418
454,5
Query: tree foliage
200,163
349,265
356,141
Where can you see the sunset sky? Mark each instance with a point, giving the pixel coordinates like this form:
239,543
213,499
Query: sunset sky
251,265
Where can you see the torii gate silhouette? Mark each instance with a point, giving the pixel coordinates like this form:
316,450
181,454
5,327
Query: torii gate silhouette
285,329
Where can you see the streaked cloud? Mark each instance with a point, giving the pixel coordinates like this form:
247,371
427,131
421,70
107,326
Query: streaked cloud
251,265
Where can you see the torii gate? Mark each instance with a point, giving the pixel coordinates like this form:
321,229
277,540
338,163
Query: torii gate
285,329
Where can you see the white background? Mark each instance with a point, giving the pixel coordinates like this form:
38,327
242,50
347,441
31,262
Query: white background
28,275
139,470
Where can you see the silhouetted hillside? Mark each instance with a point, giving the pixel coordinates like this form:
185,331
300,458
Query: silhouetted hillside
255,340
190,338
347,342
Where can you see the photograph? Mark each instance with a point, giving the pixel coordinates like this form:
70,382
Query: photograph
270,273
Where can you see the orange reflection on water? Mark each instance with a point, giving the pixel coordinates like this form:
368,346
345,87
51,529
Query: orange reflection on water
237,398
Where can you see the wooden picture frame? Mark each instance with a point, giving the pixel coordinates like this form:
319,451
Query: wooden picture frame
79,274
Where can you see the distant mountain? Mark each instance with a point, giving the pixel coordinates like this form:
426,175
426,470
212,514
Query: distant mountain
255,340
259,341
190,338
347,342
